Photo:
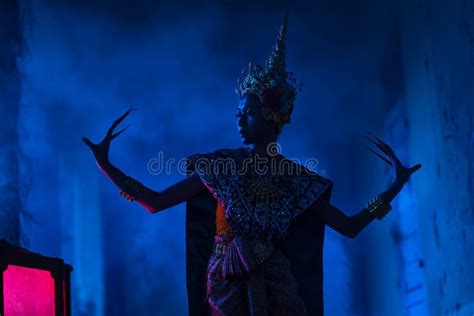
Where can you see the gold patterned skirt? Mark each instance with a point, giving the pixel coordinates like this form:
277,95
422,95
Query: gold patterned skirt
249,278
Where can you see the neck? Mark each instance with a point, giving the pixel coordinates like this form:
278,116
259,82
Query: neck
262,148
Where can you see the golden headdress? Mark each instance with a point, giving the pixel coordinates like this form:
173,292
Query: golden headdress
275,87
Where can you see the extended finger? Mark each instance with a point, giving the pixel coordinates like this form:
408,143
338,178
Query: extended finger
88,142
380,142
117,121
383,147
121,131
377,144
415,168
374,139
386,148
379,155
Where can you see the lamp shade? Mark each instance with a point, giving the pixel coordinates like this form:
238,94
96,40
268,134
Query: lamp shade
32,284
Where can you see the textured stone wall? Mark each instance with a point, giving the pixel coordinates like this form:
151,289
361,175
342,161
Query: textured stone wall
438,54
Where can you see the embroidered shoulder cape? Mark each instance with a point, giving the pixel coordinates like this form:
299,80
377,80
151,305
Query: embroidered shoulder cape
259,206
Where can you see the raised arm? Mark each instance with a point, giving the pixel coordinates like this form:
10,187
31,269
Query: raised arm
152,201
351,226
155,201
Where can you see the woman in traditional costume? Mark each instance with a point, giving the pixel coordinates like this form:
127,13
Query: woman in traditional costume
259,193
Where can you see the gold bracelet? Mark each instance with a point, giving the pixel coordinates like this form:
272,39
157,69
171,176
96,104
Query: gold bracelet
378,208
132,189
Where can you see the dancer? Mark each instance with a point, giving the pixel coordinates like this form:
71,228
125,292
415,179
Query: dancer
259,193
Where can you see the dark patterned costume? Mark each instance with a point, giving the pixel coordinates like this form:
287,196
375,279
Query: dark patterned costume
248,272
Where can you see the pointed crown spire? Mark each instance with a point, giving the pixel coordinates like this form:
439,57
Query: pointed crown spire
275,87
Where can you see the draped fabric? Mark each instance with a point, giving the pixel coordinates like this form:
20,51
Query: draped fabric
268,260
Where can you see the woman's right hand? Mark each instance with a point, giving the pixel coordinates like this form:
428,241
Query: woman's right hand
101,150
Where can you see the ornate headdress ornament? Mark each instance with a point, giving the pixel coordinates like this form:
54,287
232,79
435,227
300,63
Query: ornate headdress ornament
275,87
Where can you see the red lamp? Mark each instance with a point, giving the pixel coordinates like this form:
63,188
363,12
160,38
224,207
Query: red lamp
32,284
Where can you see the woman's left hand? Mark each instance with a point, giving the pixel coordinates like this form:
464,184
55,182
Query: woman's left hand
402,173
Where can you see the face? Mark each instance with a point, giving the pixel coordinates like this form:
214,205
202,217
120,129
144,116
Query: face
253,127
